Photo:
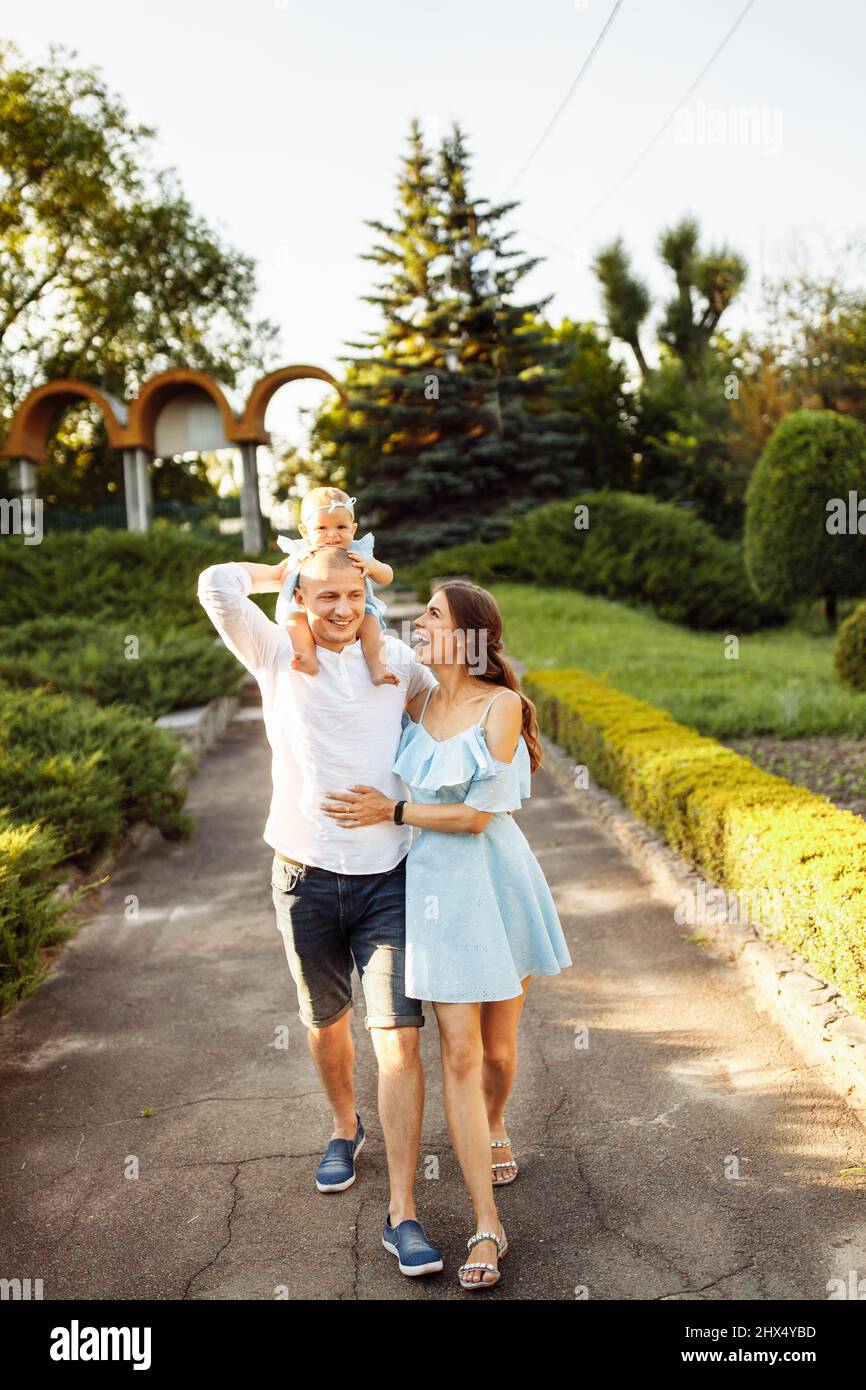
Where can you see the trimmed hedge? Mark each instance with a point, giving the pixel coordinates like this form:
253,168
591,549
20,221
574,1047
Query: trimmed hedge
30,915
74,773
87,656
111,575
73,778
635,549
749,830
87,772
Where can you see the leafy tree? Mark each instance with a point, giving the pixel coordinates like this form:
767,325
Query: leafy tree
705,287
683,455
682,404
810,354
626,298
817,332
706,284
106,272
762,396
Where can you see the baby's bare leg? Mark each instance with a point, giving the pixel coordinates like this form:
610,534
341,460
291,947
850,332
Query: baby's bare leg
305,658
374,651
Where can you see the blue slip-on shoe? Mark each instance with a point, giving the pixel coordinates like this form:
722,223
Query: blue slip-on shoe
415,1254
336,1170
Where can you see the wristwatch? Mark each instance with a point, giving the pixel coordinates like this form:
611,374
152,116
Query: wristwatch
398,813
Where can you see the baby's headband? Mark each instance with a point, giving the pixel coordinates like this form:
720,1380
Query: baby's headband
349,504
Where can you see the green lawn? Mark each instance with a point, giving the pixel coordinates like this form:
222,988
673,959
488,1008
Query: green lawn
782,682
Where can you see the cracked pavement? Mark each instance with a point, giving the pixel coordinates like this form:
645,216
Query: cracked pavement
647,1079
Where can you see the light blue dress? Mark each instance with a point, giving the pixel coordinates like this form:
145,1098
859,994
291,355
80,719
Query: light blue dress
287,603
479,914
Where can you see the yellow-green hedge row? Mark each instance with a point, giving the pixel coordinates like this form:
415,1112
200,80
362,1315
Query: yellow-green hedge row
754,833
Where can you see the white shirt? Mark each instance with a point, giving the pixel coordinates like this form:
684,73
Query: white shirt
327,732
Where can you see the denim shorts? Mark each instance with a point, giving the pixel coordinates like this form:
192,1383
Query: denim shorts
329,921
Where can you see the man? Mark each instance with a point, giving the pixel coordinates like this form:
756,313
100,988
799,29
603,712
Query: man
339,893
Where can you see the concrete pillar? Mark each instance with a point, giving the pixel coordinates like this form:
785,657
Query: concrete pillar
145,495
22,478
130,490
250,509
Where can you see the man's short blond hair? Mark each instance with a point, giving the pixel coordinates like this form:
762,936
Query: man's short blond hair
327,560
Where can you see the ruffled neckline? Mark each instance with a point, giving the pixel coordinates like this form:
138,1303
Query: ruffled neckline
442,741
450,762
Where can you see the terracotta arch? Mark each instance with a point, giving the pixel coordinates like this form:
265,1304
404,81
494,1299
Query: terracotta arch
251,426
144,411
36,416
134,426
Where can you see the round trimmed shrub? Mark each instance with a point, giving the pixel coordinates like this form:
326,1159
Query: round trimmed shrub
849,658
810,464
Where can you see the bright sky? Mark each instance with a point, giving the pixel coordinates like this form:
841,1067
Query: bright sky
286,122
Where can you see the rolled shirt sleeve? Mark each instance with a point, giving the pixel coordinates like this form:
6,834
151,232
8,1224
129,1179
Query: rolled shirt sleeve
223,592
420,678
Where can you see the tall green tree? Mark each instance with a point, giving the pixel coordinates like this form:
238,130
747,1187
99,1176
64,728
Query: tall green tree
451,425
592,389
706,285
393,379
683,403
626,298
683,451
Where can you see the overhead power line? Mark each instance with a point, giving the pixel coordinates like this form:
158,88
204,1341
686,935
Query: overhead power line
663,127
566,99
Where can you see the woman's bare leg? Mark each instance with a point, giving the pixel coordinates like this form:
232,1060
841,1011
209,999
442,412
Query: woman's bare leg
500,1021
461,1048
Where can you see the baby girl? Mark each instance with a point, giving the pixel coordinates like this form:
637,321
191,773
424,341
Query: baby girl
328,518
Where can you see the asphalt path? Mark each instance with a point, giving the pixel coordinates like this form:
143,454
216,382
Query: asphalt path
672,1144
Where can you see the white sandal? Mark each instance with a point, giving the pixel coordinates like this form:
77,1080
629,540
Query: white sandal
502,1246
508,1163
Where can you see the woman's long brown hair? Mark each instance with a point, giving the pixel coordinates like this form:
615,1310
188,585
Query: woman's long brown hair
474,610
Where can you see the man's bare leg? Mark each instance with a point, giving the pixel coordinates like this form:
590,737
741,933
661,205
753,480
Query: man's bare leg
333,1052
401,1107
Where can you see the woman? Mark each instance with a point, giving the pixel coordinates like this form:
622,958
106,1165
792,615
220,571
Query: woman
480,919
